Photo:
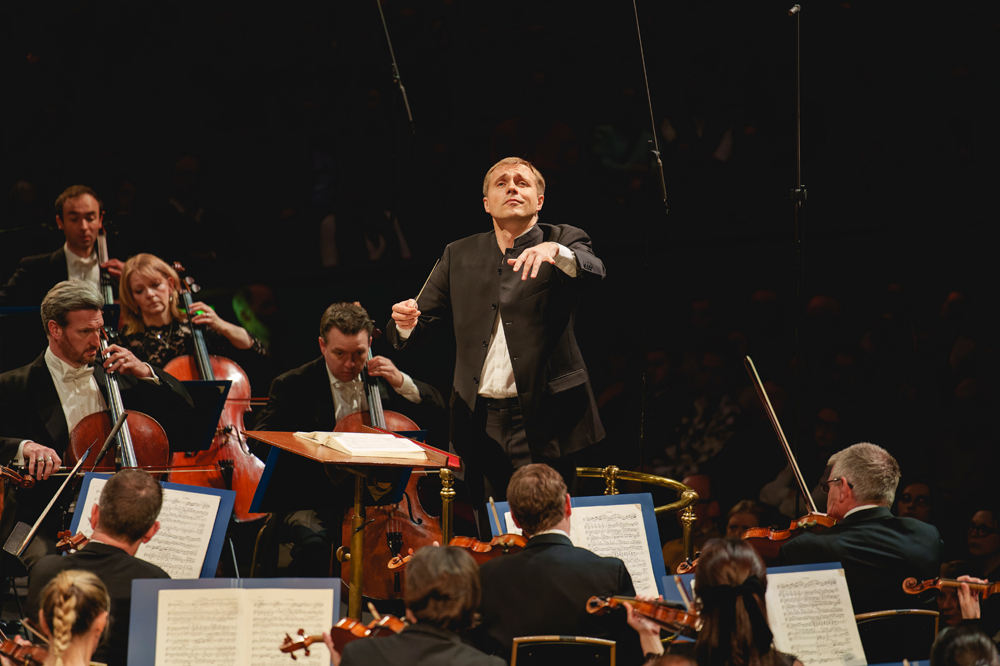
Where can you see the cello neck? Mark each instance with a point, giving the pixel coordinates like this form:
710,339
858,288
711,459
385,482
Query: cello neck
126,452
201,358
102,257
773,416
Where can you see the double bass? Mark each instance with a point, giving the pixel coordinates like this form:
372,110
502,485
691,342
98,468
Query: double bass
235,467
390,528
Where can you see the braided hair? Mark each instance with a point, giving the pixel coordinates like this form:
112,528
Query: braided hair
71,603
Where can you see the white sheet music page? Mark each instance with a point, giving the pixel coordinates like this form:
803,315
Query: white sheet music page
186,523
238,627
812,618
614,530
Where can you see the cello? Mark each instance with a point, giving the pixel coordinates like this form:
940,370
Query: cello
141,440
765,540
238,469
391,527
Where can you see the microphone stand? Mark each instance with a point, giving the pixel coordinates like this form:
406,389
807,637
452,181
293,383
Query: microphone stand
798,196
397,79
656,168
395,68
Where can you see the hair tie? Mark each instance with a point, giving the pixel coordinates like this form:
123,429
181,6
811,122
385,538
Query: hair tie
724,597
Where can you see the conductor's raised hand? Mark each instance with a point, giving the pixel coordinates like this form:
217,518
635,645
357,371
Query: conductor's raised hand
533,258
405,314
380,366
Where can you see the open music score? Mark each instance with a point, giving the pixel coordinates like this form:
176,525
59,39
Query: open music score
811,615
236,627
613,530
189,535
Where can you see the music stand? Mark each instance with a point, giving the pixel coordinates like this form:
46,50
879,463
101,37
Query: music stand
361,467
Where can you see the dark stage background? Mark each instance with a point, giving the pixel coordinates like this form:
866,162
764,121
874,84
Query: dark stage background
282,126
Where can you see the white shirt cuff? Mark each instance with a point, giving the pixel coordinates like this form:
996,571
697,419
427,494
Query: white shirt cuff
566,261
408,390
154,379
404,333
19,458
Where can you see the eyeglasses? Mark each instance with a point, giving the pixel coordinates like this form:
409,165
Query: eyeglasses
981,530
825,485
919,500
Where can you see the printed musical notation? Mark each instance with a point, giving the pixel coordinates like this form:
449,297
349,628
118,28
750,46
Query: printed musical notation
238,627
811,616
614,530
186,523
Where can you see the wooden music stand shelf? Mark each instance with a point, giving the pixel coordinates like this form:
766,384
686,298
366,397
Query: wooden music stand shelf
436,460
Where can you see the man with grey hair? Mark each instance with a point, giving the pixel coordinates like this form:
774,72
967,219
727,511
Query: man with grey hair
41,403
877,550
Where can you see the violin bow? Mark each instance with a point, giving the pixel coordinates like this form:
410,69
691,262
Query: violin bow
18,539
493,508
771,414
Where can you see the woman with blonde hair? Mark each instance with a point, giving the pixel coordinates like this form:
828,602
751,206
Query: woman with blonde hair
157,330
74,614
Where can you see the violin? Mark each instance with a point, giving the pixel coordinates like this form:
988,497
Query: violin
668,616
481,551
19,481
807,521
69,542
391,527
235,467
344,632
767,541
911,586
141,440
23,655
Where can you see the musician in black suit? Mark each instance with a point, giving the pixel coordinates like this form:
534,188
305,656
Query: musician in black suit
41,403
521,392
441,596
314,397
877,550
123,519
543,590
80,215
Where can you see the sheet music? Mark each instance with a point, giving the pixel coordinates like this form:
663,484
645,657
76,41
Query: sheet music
186,523
614,530
238,627
275,613
811,616
199,628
